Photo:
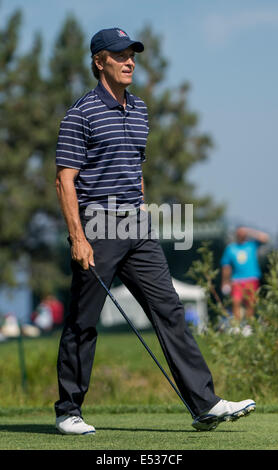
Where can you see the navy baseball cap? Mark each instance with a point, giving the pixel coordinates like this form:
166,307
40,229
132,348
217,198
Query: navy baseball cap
114,40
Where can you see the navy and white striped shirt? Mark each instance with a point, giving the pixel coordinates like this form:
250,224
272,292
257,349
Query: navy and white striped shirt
106,143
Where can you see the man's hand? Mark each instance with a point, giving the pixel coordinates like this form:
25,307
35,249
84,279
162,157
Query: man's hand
83,253
226,288
262,237
226,284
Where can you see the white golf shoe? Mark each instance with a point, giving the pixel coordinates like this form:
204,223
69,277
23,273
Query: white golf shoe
67,424
223,411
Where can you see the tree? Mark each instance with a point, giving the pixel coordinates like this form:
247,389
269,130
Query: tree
31,107
174,143
69,75
32,104
15,196
67,78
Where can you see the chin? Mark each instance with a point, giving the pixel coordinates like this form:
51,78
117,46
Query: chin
126,80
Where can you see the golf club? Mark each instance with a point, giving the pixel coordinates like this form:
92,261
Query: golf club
140,338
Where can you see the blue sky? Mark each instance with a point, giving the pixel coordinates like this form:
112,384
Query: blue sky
228,52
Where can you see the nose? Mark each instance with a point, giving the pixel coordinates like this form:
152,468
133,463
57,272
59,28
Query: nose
130,60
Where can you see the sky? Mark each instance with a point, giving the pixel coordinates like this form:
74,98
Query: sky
227,52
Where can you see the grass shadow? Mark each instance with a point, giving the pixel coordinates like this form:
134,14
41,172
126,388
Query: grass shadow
30,428
50,429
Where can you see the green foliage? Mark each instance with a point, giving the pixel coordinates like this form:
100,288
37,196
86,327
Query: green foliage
247,365
31,108
204,273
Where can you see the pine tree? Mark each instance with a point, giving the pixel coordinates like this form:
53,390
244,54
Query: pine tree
32,104
67,79
14,194
31,107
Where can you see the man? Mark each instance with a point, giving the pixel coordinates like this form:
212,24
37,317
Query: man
100,149
241,272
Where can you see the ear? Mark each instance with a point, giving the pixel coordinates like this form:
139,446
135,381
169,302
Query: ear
99,62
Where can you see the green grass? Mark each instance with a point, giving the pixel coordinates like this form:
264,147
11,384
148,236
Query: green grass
129,402
123,373
34,430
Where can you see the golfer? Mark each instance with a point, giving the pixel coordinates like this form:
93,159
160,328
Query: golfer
100,151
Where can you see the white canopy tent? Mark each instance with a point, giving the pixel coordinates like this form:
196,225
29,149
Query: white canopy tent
191,296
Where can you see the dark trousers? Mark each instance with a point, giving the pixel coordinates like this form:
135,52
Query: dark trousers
141,265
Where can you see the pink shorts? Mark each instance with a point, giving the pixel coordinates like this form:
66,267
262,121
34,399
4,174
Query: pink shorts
245,290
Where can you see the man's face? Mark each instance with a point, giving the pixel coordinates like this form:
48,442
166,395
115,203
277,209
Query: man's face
241,235
118,67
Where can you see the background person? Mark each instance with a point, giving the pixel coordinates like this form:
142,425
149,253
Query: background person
241,271
49,313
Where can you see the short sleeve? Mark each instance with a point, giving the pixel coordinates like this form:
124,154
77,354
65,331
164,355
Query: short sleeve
73,139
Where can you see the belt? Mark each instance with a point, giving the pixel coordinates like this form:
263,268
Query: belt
123,213
118,213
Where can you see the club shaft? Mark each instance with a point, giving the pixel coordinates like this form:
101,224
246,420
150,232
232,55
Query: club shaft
140,338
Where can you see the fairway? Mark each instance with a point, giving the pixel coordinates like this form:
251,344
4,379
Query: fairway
138,431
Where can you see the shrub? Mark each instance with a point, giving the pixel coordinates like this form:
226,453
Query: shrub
246,365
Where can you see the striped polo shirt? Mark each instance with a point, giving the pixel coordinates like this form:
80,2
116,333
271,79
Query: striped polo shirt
106,143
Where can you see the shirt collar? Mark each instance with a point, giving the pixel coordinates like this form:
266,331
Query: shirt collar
108,99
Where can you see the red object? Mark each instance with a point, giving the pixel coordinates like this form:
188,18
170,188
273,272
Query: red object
57,310
245,290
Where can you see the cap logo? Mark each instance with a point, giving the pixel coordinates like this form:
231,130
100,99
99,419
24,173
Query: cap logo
121,33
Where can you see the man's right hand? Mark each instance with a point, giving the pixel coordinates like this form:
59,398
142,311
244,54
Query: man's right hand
83,253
